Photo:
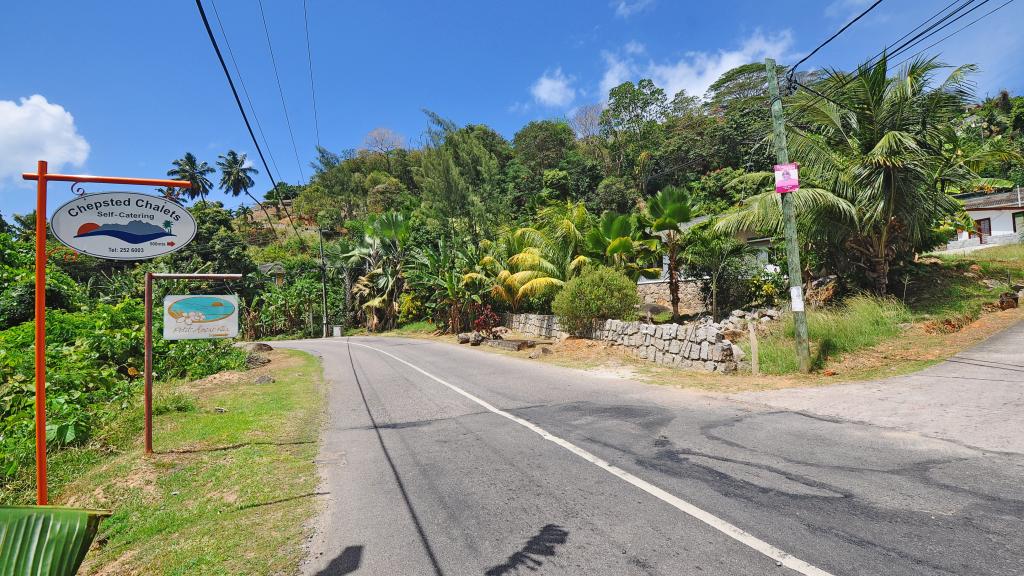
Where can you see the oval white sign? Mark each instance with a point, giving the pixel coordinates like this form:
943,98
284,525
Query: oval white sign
123,225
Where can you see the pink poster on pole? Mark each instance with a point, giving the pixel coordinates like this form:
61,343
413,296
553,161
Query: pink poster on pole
787,178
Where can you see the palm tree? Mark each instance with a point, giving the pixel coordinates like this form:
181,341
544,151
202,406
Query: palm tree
236,177
536,261
713,252
619,241
667,210
384,254
170,193
876,158
342,257
188,167
244,212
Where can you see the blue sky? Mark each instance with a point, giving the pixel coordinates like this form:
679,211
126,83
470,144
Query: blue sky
122,88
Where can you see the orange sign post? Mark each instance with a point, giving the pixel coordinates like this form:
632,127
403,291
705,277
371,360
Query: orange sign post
42,177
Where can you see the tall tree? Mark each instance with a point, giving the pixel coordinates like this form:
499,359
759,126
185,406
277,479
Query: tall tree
188,167
632,125
543,144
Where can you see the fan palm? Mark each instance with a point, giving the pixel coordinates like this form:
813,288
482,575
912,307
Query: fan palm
342,257
618,241
667,210
188,167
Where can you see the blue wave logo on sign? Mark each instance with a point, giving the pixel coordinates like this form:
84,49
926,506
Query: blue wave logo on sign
134,232
200,309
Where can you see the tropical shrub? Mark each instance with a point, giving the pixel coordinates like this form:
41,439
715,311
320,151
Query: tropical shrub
598,293
484,319
94,369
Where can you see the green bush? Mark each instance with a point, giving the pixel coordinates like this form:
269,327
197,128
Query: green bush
598,293
860,322
94,369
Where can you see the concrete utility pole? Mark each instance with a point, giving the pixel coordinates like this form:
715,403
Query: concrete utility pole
323,278
803,352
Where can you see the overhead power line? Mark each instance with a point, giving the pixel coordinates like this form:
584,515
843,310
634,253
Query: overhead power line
245,91
834,36
946,17
312,85
280,91
241,109
959,30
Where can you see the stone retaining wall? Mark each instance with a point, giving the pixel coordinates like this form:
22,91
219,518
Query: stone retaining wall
700,344
657,293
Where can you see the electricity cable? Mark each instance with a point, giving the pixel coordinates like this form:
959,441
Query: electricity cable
280,91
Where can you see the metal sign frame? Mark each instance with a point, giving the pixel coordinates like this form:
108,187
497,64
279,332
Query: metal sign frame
42,178
148,362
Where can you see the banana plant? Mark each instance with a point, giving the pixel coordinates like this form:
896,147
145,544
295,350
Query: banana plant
45,540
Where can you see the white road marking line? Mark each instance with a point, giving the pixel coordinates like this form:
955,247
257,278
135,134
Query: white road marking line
708,518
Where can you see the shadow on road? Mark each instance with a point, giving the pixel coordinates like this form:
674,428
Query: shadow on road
346,563
394,471
540,545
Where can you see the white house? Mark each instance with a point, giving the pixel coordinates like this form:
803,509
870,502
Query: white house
998,218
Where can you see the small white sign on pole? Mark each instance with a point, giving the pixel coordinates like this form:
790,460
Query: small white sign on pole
200,317
796,296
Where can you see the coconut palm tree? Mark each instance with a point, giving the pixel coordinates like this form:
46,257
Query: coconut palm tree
876,160
188,167
236,177
667,210
244,212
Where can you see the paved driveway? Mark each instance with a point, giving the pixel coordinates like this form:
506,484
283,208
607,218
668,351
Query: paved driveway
976,398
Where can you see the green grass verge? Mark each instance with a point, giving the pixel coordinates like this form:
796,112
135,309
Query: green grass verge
861,322
954,290
949,291
230,488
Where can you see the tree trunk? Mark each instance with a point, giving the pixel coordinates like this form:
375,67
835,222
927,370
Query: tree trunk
348,299
881,265
673,281
714,300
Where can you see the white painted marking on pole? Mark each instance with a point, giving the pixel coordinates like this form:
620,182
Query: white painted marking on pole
708,518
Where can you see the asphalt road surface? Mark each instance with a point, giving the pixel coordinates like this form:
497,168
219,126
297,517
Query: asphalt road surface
448,460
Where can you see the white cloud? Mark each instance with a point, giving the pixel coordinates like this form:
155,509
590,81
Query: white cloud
626,8
554,89
617,70
633,47
35,129
695,71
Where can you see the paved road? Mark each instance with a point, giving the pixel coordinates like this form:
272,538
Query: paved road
975,398
447,460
